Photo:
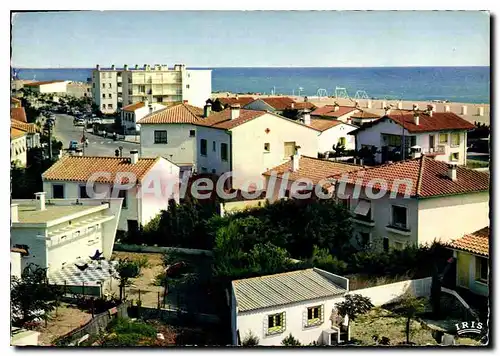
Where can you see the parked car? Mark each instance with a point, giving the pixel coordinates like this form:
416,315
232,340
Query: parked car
73,145
79,122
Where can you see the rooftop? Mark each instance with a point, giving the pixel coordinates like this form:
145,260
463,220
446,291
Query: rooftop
427,177
329,111
323,125
284,288
133,107
279,102
15,100
15,133
36,84
18,114
242,100
175,114
23,126
477,242
81,168
364,115
439,121
312,168
95,274
29,215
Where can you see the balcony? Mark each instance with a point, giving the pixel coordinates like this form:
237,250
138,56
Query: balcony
399,229
119,79
436,151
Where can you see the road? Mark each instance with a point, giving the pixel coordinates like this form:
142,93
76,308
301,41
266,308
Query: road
65,132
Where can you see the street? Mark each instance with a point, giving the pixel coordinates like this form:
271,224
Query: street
65,131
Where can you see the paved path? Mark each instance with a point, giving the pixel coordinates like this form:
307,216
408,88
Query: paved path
65,131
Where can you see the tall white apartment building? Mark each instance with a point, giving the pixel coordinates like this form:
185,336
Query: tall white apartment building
113,88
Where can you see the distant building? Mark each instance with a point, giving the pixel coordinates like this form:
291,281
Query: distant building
337,112
79,90
472,254
132,113
362,117
275,105
68,178
226,102
442,135
53,86
15,102
31,131
113,88
18,147
301,303
442,201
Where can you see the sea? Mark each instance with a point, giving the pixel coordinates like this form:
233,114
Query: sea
455,84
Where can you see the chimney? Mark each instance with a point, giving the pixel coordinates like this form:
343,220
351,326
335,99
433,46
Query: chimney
369,104
384,104
112,67
306,99
184,101
207,109
136,66
40,201
416,151
336,107
306,116
447,108
416,119
125,67
400,105
97,67
292,106
452,171
387,110
296,159
415,107
464,110
235,111
134,156
14,213
150,108
480,111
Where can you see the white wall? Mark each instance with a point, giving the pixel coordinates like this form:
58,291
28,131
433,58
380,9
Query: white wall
249,159
59,87
213,160
296,318
15,264
196,86
181,148
19,145
37,249
109,79
448,218
138,115
328,138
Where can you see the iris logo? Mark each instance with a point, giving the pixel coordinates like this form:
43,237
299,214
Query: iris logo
467,327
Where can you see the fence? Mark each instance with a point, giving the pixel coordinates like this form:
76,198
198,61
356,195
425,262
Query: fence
95,325
177,315
390,293
159,249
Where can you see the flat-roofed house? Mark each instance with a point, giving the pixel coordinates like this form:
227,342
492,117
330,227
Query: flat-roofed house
52,86
414,202
472,252
156,182
132,113
301,303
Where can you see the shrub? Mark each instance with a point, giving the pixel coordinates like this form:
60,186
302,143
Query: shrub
250,340
290,341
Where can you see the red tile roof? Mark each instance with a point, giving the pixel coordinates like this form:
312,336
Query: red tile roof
14,100
242,100
18,250
279,102
133,107
426,176
323,125
81,168
312,168
304,105
364,115
439,121
329,111
18,114
477,242
36,84
15,133
23,126
175,114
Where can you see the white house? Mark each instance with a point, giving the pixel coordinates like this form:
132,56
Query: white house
18,147
53,86
145,184
337,112
439,134
363,117
132,113
301,303
244,142
414,201
276,104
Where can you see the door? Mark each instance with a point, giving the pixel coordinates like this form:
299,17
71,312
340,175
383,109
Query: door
132,229
431,142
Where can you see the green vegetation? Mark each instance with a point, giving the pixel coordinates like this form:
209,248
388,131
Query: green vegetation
250,340
123,333
290,341
354,305
472,163
410,307
127,270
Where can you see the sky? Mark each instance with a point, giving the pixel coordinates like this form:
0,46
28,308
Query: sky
251,38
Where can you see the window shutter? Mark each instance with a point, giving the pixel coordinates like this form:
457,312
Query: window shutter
322,313
304,318
283,321
265,324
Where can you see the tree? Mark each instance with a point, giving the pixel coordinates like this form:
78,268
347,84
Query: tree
410,307
290,341
32,296
339,149
126,271
353,306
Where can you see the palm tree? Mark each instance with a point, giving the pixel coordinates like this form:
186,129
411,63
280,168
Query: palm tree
410,307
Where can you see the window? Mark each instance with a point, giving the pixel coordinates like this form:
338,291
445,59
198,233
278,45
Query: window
104,96
187,86
104,106
103,85
160,136
110,96
192,133
110,75
342,141
142,88
275,323
363,210
443,138
289,149
110,106
399,217
454,156
57,191
223,151
123,194
109,85
159,99
203,147
455,139
213,146
83,192
482,269
385,244
267,147
315,315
